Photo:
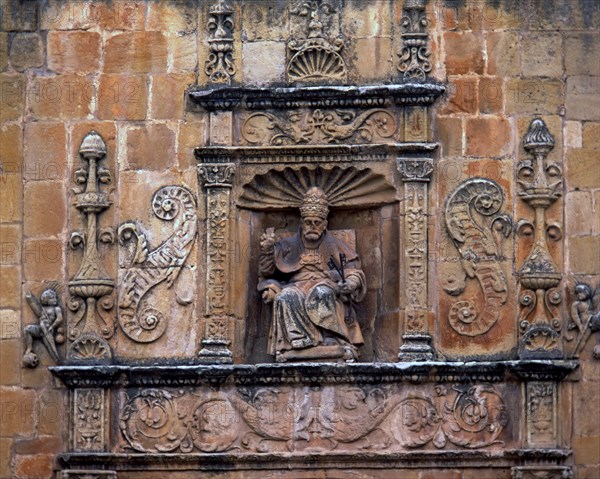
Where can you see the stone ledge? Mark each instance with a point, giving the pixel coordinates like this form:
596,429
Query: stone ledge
316,460
229,98
175,375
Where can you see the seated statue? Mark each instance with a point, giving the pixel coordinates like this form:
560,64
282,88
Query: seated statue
313,280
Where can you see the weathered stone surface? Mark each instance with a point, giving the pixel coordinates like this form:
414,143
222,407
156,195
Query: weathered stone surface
534,96
582,168
12,99
3,51
26,51
488,137
542,54
150,148
45,155
74,51
45,207
19,16
136,52
462,95
11,278
582,48
264,62
584,255
463,53
20,408
591,135
172,86
11,148
34,466
61,97
122,97
583,98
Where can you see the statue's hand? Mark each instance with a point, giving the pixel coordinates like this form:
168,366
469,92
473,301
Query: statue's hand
348,286
269,294
267,240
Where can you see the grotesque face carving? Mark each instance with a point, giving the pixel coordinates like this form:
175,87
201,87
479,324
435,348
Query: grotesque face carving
313,228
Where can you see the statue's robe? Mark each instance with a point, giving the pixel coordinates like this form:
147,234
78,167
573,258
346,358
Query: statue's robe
307,307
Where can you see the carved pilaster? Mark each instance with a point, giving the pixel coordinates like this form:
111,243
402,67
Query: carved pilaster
89,416
220,66
216,179
541,420
540,185
91,288
414,56
416,173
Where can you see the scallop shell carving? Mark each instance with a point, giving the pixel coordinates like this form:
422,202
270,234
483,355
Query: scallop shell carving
316,62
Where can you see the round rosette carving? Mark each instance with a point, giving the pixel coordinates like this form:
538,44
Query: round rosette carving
213,426
416,422
149,422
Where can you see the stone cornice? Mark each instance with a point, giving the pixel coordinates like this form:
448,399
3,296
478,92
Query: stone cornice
177,375
229,98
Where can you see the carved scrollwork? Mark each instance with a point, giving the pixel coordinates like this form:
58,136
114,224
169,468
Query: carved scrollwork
479,248
220,66
319,127
414,59
146,269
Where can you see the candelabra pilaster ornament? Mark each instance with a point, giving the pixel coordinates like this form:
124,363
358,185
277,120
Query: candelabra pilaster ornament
416,174
216,179
91,288
220,66
540,185
414,56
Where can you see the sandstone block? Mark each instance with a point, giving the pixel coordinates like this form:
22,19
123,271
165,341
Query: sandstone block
372,58
38,445
60,15
19,408
5,457
464,53
122,15
10,278
533,96
462,95
150,147
449,134
45,208
10,244
586,449
74,51
573,134
45,156
542,54
10,325
192,133
10,353
169,86
583,168
491,97
367,19
503,54
183,53
43,260
34,467
61,97
3,51
263,62
19,16
579,213
591,135
172,16
11,148
122,97
26,51
136,52
11,197
488,137
265,20
583,98
53,412
12,96
584,255
583,51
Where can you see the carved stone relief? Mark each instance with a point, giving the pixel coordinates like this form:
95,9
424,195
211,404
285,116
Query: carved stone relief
89,420
540,185
382,418
220,66
320,127
92,287
414,60
315,57
585,318
139,319
542,472
48,330
477,227
541,418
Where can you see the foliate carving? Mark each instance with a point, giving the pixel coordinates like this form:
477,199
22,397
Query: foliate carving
414,57
415,169
319,127
344,417
542,472
220,66
217,181
541,414
585,318
91,288
146,269
471,417
88,420
540,185
479,245
344,187
48,328
316,57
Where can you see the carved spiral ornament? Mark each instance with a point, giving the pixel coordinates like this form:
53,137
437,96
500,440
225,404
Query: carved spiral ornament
138,319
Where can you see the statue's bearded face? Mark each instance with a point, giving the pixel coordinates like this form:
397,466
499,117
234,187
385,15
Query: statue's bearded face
313,227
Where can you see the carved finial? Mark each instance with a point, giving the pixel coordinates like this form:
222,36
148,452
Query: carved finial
315,203
92,146
538,136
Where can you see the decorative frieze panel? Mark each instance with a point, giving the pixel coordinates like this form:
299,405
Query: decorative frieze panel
414,61
89,418
542,420
220,66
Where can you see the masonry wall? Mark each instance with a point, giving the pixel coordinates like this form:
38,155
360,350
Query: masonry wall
121,68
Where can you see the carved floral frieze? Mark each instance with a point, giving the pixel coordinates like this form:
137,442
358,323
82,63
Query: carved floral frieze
319,126
293,419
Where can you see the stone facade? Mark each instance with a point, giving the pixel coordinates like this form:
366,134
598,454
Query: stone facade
145,149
